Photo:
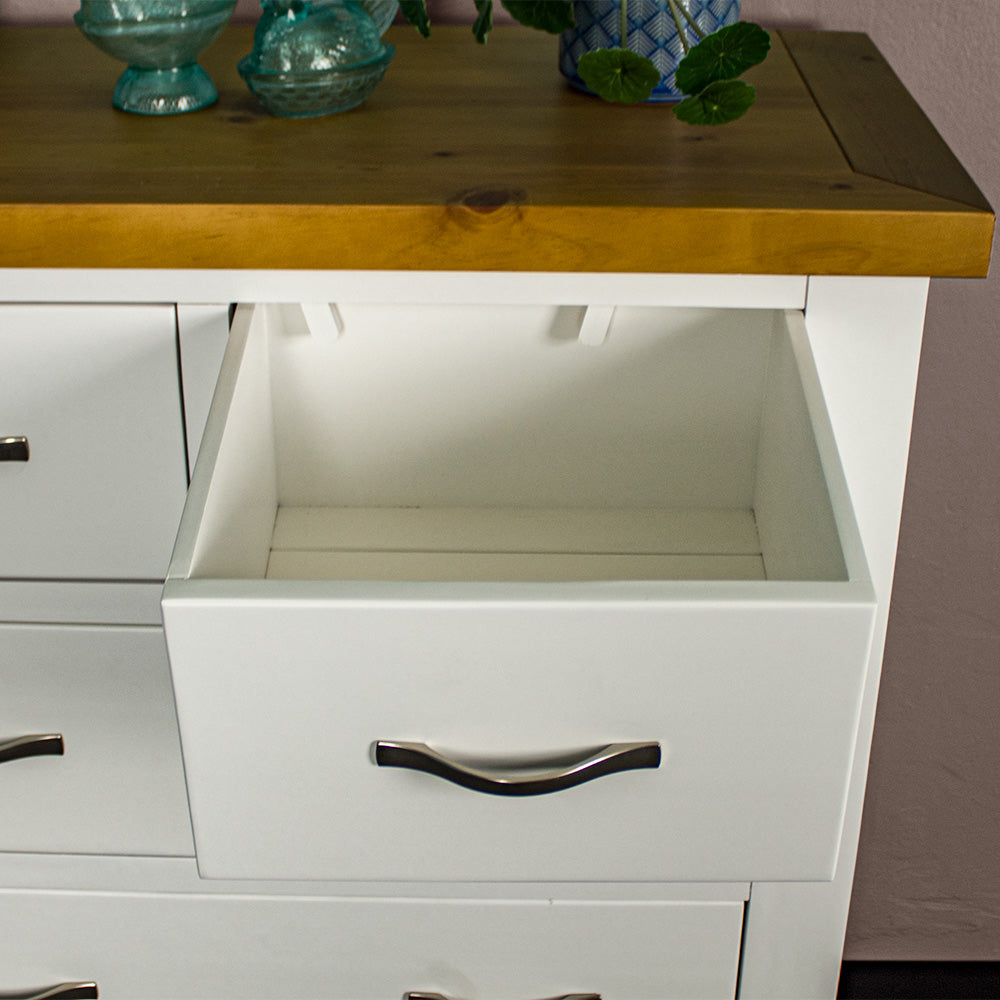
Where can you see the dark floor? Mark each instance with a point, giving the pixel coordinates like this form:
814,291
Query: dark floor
920,981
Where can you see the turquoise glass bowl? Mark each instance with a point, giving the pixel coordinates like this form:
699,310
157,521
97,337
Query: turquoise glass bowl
319,58
160,40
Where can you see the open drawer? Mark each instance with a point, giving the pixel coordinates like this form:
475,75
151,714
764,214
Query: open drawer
455,552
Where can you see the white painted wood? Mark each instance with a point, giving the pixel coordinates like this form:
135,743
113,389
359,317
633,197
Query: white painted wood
95,391
796,463
458,666
119,787
149,874
511,529
521,567
77,603
595,324
202,331
234,489
204,947
865,334
512,544
318,319
469,406
314,683
296,423
414,287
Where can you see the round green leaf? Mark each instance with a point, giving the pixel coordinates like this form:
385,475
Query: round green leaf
720,102
415,12
723,55
618,75
553,16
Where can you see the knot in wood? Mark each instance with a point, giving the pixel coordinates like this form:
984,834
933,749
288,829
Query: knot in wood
487,200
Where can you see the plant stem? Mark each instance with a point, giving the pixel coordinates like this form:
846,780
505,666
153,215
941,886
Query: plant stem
695,30
676,15
624,24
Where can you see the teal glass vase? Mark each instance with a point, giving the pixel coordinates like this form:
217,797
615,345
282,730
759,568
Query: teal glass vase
318,58
160,41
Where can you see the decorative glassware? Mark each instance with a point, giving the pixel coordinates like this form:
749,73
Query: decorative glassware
382,12
652,32
318,58
160,40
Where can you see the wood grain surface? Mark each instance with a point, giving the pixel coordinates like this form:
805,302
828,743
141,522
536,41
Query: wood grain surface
475,157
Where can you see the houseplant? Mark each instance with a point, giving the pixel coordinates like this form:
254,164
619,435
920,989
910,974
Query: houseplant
709,91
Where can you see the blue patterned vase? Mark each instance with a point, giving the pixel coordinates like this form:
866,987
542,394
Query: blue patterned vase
652,33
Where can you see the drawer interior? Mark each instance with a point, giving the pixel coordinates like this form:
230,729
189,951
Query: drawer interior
459,443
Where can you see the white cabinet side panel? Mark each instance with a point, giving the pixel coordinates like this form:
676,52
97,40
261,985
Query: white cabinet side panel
865,334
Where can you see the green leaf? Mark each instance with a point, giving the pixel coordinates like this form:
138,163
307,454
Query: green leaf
553,16
720,102
484,22
618,75
415,12
723,55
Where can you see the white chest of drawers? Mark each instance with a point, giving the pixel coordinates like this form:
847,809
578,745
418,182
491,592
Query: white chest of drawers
458,528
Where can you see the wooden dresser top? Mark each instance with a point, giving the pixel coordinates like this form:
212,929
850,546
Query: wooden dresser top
475,157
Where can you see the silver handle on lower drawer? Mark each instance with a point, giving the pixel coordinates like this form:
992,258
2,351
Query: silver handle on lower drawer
609,759
13,449
441,996
48,744
65,991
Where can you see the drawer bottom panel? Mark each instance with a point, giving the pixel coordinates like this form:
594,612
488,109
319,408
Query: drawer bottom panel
183,947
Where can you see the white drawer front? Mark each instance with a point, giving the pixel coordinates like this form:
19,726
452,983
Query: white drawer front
176,947
94,389
454,528
118,787
754,707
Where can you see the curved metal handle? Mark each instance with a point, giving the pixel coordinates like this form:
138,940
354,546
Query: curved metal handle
49,744
594,764
441,996
13,449
64,991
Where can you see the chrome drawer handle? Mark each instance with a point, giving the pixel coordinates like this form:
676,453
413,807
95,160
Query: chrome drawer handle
50,744
65,991
14,449
595,764
441,996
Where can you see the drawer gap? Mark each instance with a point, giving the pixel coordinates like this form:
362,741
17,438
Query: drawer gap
513,544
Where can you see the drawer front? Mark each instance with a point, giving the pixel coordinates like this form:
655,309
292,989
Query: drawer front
118,785
753,703
94,390
177,947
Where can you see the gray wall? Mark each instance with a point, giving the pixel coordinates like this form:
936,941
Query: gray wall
928,877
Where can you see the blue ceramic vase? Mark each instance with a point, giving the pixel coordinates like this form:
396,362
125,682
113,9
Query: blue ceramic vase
652,32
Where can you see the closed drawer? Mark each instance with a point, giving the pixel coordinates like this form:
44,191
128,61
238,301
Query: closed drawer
118,785
458,529
94,390
178,947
